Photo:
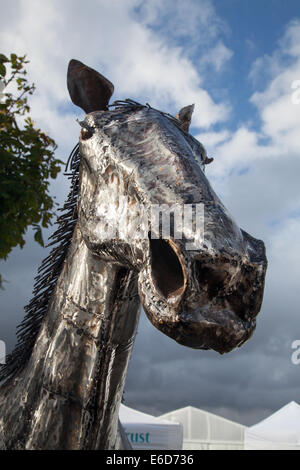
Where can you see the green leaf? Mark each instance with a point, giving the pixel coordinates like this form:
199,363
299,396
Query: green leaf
2,70
38,235
3,58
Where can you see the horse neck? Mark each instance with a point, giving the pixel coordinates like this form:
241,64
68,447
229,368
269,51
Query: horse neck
74,379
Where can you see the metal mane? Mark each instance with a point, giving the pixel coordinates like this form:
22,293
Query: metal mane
48,274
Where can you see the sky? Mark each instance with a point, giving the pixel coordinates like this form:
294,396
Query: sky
238,61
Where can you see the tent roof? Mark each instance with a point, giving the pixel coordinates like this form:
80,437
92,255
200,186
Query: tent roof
129,415
192,409
282,427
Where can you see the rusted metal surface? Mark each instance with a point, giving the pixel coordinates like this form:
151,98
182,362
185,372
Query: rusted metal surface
68,394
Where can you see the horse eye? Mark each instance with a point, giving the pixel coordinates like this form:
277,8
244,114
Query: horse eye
86,133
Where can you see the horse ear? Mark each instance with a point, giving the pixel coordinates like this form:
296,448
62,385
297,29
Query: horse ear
88,89
185,116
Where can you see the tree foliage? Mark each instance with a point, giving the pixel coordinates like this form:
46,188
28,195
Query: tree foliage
26,161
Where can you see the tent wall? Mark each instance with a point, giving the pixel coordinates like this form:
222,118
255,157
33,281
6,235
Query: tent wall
204,430
189,444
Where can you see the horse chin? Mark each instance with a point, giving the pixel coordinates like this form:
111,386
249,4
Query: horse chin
203,334
203,328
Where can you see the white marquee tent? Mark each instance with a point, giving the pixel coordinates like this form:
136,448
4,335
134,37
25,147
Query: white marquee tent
148,432
279,431
207,431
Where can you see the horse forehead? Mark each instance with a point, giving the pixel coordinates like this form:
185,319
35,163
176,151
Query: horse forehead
150,141
138,130
160,161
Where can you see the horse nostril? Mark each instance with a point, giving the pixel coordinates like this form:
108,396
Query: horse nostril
166,270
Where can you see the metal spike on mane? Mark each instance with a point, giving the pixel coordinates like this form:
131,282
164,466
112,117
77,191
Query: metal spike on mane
47,277
133,105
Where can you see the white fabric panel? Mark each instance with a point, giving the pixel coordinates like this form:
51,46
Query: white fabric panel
207,445
204,430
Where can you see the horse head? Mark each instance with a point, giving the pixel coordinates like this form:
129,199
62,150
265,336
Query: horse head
146,204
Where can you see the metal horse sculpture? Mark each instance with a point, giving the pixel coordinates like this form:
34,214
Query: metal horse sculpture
62,386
